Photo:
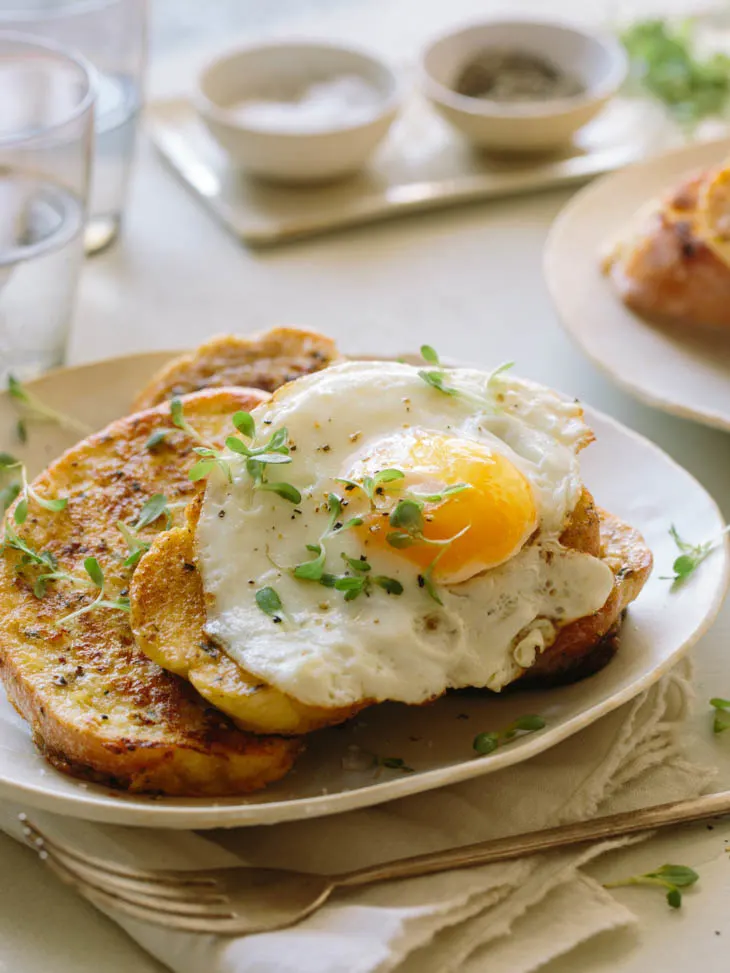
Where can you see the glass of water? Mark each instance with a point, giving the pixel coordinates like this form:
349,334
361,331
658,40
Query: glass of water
46,139
112,35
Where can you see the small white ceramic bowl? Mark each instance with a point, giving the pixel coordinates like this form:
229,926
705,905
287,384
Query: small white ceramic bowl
281,70
598,61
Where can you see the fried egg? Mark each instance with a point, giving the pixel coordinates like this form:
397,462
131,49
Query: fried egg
433,516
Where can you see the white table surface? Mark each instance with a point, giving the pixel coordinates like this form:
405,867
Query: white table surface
467,281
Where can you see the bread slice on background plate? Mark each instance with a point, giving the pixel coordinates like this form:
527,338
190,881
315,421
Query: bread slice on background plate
260,361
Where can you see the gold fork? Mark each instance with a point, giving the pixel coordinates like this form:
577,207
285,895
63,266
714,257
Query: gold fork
241,901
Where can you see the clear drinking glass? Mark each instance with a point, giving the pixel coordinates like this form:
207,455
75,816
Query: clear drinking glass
46,138
112,35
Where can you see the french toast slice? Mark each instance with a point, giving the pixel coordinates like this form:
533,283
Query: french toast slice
260,361
99,709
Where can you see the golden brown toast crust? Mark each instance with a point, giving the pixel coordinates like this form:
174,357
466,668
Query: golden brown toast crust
258,361
97,706
669,272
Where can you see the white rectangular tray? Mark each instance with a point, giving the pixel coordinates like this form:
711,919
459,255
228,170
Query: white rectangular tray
422,165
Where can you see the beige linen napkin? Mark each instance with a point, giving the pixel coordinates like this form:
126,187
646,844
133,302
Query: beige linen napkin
507,918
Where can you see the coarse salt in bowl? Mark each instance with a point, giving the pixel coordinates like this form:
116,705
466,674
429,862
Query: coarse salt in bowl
298,111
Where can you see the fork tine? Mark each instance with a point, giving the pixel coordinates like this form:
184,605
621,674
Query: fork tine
150,916
151,893
164,907
181,878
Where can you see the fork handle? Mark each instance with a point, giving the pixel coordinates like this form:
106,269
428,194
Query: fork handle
516,846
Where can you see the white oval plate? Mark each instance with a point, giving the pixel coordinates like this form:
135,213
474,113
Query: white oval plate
685,373
627,474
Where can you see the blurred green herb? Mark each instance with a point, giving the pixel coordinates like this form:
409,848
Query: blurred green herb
722,714
665,64
35,409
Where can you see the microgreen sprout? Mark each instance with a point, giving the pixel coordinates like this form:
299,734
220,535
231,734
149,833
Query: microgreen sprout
34,409
361,581
721,721
485,743
44,559
96,576
210,457
437,378
20,514
408,520
669,877
156,507
373,485
313,569
274,452
690,557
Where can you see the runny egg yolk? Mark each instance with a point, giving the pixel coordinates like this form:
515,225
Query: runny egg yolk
498,506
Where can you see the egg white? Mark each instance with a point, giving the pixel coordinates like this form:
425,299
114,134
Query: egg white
330,652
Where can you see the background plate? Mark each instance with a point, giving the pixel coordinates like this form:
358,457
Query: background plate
683,372
627,474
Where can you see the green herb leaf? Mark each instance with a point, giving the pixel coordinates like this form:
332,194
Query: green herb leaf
278,440
268,601
177,413
722,715
388,476
679,875
674,898
201,469
429,355
395,763
358,566
20,514
488,742
8,462
59,503
407,515
311,570
529,723
156,439
236,446
284,490
692,555
390,585
352,522
93,569
399,539
437,380
8,495
485,742
154,508
244,422
665,63
272,458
